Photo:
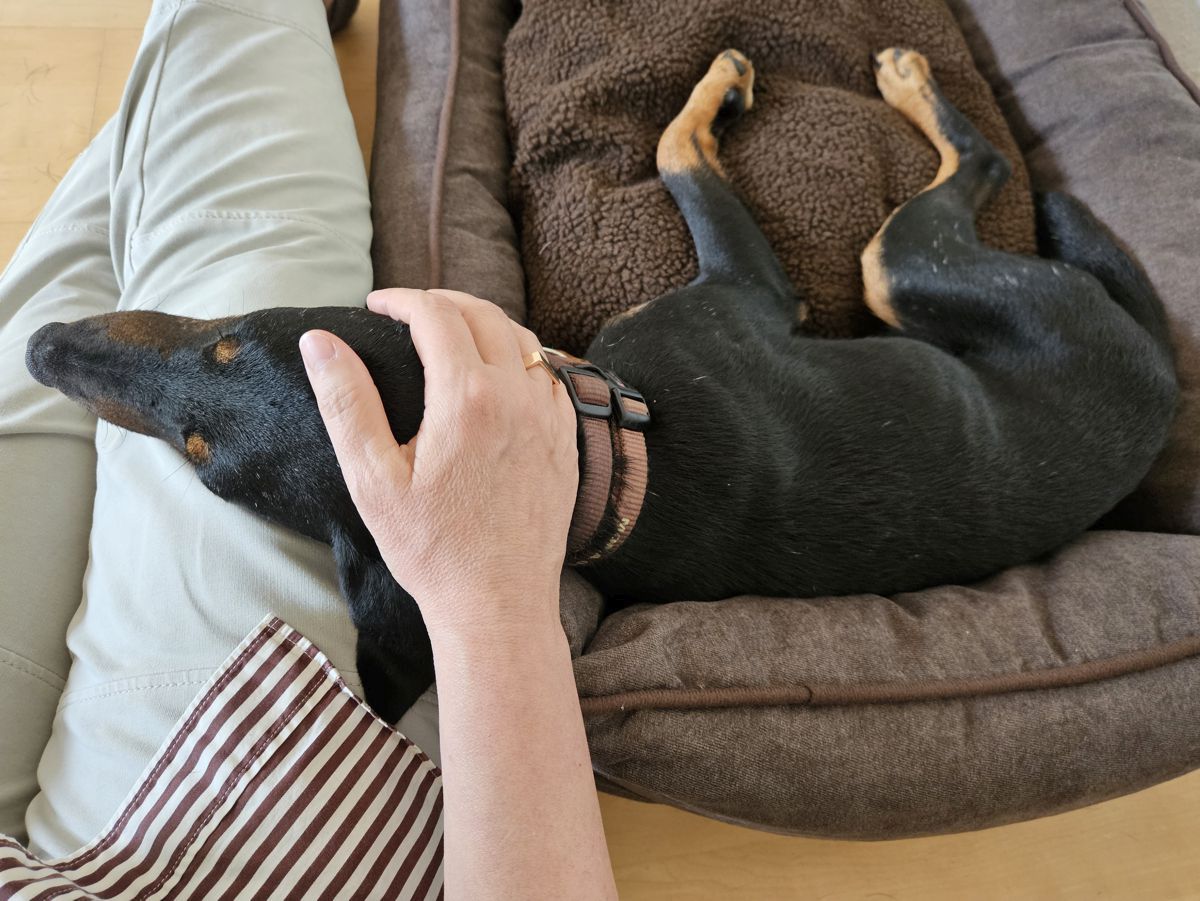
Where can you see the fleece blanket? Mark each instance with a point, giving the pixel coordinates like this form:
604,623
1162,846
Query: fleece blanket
820,160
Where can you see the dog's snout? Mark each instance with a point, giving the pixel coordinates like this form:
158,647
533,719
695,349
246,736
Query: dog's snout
43,350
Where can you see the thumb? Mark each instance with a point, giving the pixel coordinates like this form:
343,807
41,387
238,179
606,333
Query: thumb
355,419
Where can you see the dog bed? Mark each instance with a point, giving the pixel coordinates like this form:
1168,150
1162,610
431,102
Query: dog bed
1047,687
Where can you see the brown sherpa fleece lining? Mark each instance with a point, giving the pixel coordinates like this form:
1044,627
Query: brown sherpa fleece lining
442,152
821,159
817,694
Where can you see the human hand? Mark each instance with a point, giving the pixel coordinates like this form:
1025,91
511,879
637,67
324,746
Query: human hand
471,515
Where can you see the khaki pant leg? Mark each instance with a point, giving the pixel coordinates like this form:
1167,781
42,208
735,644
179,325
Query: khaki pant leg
237,184
62,271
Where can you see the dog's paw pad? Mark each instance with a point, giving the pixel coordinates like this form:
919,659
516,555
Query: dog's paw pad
901,74
724,93
730,77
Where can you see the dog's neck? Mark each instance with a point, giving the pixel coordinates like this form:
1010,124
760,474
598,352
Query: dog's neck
613,465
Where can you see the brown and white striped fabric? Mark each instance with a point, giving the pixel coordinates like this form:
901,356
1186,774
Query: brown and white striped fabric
277,783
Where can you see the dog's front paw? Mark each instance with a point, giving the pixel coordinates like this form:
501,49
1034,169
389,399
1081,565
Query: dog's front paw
724,93
732,71
902,76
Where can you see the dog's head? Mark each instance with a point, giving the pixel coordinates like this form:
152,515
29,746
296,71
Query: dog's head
232,397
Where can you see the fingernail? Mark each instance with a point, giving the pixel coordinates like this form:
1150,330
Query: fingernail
316,349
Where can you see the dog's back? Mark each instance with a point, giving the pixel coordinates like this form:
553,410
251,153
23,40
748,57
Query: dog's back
1018,400
797,466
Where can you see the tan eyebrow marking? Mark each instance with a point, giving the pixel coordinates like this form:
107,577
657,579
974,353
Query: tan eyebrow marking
149,328
198,449
226,349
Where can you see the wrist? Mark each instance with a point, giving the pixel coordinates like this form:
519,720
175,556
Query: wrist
473,659
494,620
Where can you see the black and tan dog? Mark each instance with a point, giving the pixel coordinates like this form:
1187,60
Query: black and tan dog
1014,402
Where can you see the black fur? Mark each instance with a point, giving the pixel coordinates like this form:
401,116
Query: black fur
1023,398
270,450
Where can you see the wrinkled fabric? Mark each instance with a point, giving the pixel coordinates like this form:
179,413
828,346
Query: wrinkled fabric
876,771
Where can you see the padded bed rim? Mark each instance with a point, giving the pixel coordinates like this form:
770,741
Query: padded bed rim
1142,17
437,196
816,694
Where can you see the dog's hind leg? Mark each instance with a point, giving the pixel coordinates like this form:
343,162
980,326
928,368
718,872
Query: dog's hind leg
730,246
1068,231
927,244
927,256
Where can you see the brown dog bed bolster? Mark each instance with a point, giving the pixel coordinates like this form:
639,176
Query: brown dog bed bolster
827,695
1056,684
1138,11
440,159
1101,109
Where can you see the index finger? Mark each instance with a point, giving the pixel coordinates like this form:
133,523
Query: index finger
439,333
356,421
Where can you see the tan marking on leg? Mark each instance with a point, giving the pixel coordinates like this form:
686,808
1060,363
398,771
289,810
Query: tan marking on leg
877,285
906,84
688,140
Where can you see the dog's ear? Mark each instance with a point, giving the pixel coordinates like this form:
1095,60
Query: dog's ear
395,660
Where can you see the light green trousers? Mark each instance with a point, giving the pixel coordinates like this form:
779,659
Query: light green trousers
229,180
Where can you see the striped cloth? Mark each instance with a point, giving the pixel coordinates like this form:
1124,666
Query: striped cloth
277,783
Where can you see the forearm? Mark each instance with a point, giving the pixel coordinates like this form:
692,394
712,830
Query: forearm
521,815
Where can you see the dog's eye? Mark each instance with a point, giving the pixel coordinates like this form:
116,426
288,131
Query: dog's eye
197,448
226,349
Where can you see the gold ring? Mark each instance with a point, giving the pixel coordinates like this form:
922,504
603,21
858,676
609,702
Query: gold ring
539,358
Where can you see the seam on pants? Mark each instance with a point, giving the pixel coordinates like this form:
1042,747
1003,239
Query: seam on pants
34,229
252,215
24,665
69,700
12,261
35,226
73,227
153,98
17,253
294,26
136,218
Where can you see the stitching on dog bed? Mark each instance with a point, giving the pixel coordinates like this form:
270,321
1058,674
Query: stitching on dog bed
1147,25
442,153
835,695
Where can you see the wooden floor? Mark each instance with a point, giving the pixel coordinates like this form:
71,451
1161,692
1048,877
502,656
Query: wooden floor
62,67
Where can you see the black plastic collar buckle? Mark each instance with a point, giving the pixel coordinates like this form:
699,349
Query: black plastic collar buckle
618,393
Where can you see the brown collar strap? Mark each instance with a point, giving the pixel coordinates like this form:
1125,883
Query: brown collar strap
613,466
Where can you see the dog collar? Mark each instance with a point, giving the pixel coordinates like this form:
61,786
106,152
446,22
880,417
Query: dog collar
613,466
